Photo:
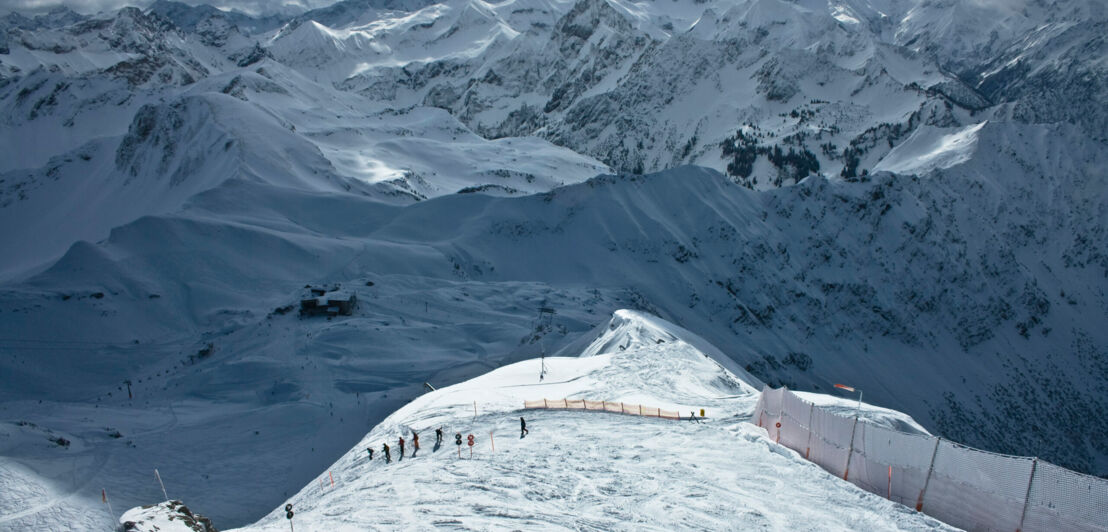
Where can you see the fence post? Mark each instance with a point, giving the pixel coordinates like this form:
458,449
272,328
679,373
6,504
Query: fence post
781,408
544,404
104,496
1027,498
850,450
930,469
159,477
811,408
890,483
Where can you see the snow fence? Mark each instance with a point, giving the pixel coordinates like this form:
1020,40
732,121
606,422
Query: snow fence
607,406
965,487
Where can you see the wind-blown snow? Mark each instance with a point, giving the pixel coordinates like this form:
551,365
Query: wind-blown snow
929,148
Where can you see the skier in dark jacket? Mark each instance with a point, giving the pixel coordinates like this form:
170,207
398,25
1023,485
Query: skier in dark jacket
401,448
523,427
438,436
388,455
370,449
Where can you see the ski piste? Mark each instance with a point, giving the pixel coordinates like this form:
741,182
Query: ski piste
597,469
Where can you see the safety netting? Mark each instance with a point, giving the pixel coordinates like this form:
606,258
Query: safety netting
1061,499
890,463
977,490
965,487
607,406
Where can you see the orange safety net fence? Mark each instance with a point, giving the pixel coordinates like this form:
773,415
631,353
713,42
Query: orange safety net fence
606,406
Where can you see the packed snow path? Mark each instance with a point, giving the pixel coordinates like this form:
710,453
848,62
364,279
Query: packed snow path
590,470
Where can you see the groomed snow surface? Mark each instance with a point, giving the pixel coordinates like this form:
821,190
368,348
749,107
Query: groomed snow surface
590,470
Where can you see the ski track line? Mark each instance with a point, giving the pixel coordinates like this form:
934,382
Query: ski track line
52,503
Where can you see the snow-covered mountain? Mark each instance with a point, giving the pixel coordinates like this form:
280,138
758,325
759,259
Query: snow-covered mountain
115,104
905,196
587,469
767,91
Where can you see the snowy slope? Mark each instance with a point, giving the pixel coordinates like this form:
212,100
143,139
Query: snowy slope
171,179
929,148
645,86
457,281
172,151
77,132
814,87
595,470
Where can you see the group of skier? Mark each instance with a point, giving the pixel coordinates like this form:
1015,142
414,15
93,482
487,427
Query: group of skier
438,441
415,446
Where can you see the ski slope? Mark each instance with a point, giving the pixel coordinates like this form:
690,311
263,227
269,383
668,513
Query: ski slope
591,470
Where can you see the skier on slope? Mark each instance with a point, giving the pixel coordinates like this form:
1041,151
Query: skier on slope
692,416
523,427
415,443
370,449
401,448
438,436
388,455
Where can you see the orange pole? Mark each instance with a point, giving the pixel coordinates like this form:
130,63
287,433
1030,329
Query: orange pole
890,483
